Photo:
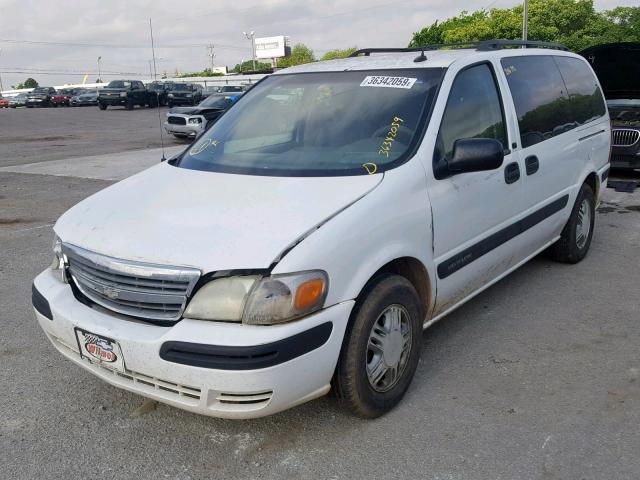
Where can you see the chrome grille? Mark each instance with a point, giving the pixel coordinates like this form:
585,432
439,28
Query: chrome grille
153,292
625,137
176,120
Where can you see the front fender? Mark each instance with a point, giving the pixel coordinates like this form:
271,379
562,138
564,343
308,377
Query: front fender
390,222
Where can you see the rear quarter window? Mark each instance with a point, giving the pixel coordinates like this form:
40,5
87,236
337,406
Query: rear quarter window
540,97
585,97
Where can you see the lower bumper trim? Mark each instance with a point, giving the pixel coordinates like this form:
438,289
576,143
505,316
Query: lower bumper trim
246,358
40,303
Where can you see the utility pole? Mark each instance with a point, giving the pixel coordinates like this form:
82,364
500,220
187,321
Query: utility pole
211,54
99,76
525,20
251,36
1,89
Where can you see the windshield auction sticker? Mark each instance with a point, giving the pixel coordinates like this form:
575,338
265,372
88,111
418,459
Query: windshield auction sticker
388,82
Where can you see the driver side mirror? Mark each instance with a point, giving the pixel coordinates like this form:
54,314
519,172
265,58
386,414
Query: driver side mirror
475,155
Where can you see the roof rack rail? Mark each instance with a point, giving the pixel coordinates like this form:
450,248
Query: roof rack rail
480,45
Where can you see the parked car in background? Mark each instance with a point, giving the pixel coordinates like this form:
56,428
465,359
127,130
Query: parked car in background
617,66
4,102
189,122
86,98
184,94
40,97
162,91
127,93
60,99
18,100
304,242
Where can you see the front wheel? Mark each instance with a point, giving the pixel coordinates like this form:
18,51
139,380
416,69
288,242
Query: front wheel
102,106
576,236
381,348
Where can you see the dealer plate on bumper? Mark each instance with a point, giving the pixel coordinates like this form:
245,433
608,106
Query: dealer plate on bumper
101,350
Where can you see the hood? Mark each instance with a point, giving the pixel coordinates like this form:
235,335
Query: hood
617,66
186,110
212,221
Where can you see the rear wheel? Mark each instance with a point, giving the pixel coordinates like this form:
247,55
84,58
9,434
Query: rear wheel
381,348
102,106
576,236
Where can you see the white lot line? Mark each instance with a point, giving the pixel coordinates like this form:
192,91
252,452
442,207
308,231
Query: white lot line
113,166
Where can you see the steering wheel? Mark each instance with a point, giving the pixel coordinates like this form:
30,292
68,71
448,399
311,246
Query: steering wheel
404,134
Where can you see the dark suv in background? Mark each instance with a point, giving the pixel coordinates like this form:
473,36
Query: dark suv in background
40,97
185,94
162,91
617,66
127,93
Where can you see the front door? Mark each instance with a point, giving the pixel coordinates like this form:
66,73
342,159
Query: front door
473,212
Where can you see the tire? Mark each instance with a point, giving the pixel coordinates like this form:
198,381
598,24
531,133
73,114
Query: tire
363,350
129,105
102,106
575,240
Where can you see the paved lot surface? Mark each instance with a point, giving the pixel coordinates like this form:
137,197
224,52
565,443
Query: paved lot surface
30,135
536,378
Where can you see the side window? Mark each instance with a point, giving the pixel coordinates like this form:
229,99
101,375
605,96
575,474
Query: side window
473,110
540,98
585,98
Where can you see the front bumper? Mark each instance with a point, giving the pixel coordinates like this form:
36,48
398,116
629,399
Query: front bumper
112,100
35,102
189,130
220,392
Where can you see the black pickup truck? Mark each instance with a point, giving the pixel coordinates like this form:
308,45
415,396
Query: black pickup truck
127,93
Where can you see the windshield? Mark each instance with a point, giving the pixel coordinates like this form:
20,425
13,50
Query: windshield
119,84
180,86
231,88
218,101
155,86
624,112
319,124
40,90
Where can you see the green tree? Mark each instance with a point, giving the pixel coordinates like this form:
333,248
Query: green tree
337,53
247,66
205,73
28,83
575,23
300,54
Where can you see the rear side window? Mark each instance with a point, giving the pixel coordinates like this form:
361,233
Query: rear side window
585,98
473,110
540,97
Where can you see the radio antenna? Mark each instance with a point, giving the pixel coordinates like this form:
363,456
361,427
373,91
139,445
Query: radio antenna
155,76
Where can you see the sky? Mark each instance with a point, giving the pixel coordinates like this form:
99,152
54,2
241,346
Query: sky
118,31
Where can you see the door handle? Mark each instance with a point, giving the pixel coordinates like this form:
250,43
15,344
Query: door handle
531,164
512,173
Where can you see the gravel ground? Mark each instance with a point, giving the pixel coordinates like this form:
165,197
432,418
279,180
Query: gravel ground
536,378
40,134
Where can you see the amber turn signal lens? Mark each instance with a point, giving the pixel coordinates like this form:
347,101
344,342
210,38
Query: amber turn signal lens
309,293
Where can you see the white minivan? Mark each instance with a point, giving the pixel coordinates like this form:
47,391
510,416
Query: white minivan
335,211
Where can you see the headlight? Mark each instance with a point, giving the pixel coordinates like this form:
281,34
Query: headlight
260,301
188,95
58,264
170,95
195,120
123,94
